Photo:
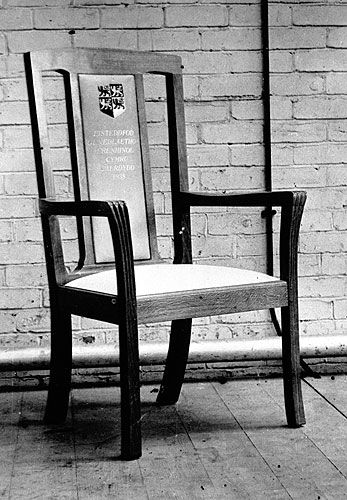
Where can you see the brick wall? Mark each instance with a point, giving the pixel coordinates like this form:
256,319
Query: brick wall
220,43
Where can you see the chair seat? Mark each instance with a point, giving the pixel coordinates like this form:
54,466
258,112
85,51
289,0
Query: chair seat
154,279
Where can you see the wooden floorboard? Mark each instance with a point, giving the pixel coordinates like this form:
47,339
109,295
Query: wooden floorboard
44,458
221,441
230,458
295,455
327,423
100,472
10,408
170,466
326,427
334,389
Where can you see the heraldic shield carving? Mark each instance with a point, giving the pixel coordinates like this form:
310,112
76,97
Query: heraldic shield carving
111,99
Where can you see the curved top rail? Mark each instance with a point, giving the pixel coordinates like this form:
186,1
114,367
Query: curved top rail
104,61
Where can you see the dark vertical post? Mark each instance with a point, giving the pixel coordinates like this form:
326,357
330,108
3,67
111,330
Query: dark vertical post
290,225
131,447
267,128
178,352
268,213
178,168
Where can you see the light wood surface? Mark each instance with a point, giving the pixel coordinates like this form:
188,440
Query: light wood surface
221,441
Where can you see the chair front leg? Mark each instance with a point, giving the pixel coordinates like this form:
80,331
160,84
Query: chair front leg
290,223
60,365
130,392
176,362
291,366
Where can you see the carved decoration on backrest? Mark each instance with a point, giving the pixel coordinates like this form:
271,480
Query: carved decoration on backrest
113,156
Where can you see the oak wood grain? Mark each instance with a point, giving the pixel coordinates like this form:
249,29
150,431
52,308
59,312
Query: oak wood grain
177,305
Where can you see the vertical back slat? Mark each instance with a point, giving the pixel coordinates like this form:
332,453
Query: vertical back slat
177,132
178,168
39,131
56,269
78,164
146,165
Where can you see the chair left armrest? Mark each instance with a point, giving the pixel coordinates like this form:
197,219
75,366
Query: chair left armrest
245,199
292,205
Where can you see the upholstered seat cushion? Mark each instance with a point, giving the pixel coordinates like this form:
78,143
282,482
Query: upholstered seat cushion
167,278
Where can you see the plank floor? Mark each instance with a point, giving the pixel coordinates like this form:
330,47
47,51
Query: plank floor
221,441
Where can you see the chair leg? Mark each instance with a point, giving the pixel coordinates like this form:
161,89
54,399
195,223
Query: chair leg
176,362
60,366
131,448
291,367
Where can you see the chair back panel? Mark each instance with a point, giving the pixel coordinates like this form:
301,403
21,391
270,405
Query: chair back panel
113,156
107,136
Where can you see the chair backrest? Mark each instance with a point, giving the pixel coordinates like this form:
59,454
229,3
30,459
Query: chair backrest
108,141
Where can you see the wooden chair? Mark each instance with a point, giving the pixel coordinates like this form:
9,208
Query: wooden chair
110,163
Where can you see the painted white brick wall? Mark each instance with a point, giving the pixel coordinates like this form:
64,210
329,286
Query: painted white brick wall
220,43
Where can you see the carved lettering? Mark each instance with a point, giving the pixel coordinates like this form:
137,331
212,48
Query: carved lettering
113,158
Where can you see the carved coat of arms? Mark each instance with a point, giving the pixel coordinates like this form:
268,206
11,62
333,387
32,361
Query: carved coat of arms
111,99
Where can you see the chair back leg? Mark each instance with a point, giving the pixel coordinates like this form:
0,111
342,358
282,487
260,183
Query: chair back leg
60,365
176,362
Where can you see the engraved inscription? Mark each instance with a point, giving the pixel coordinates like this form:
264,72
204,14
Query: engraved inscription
115,149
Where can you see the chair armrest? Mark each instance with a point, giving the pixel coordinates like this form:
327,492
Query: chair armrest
118,218
292,204
255,199
78,208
